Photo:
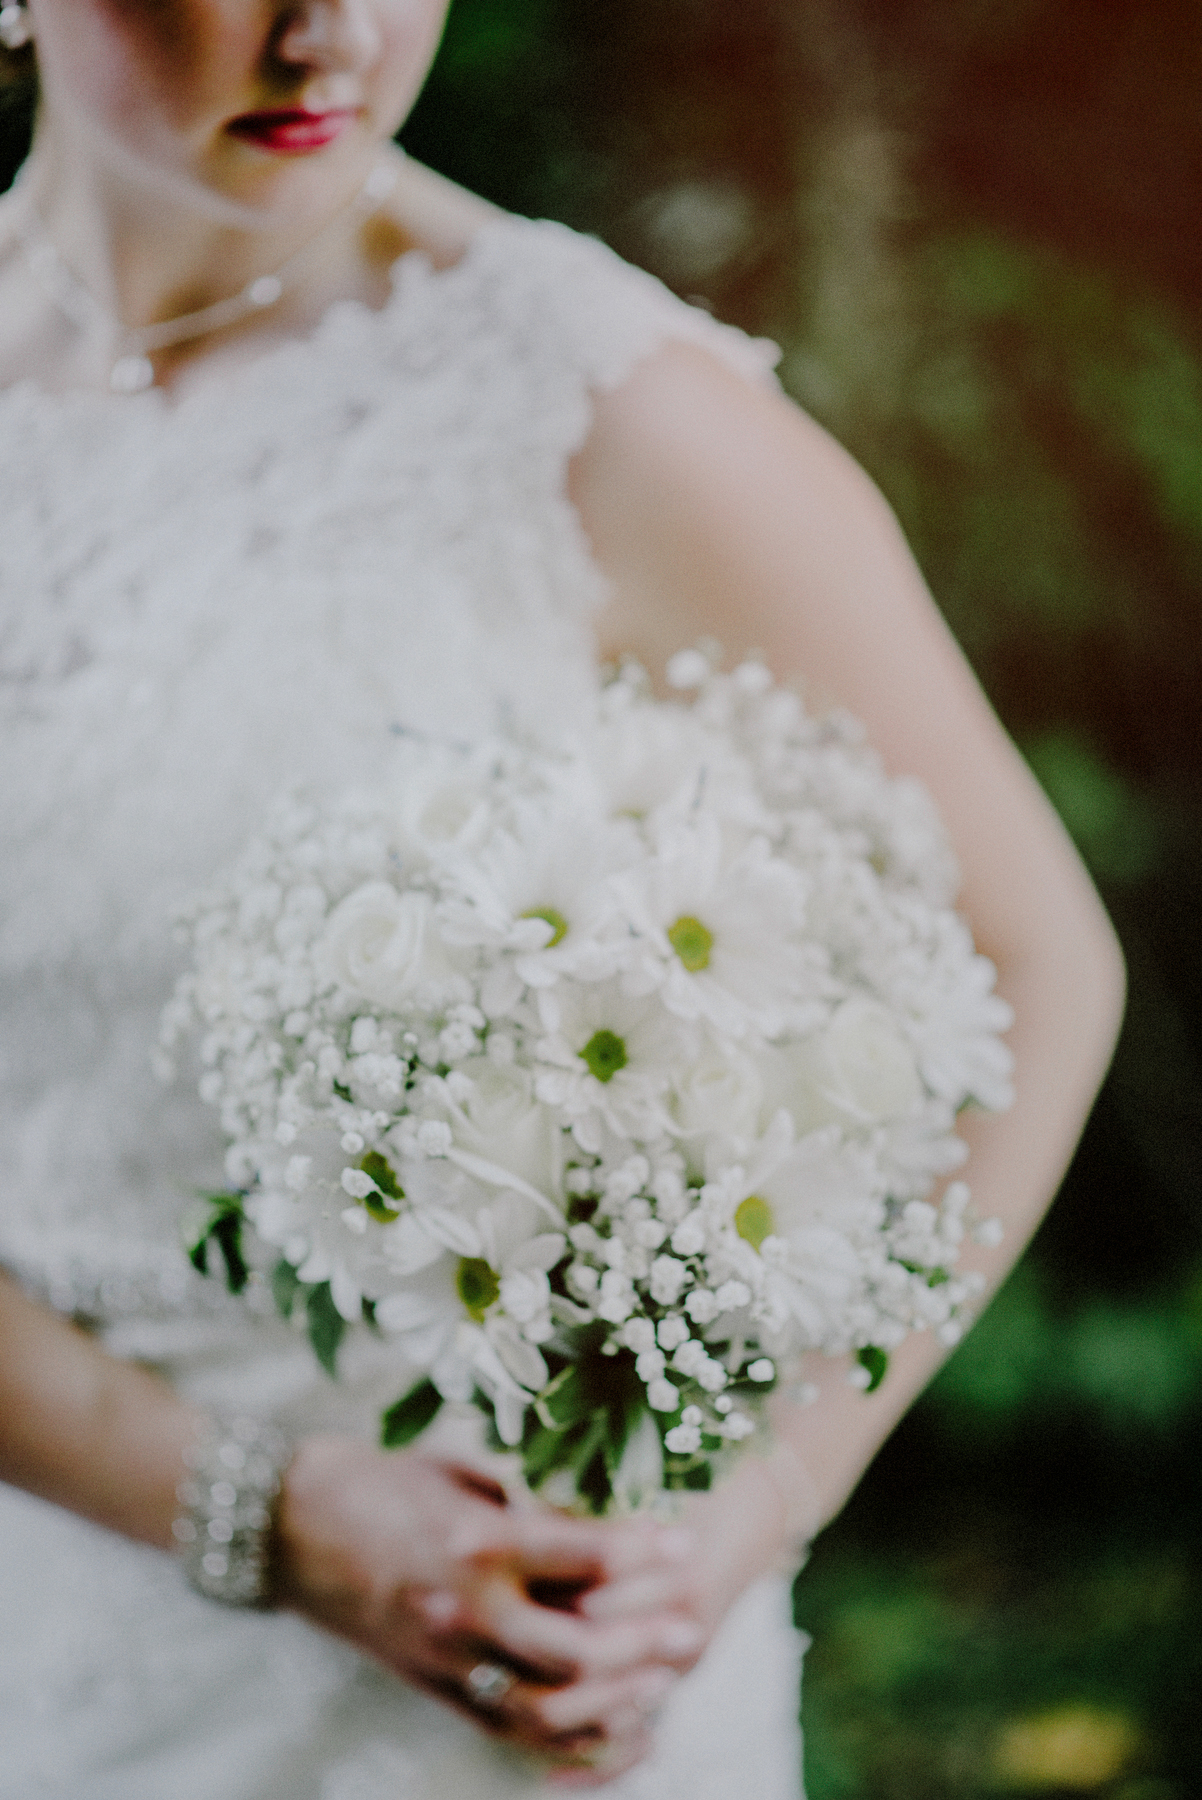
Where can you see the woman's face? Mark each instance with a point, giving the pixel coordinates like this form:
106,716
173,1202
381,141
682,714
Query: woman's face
257,103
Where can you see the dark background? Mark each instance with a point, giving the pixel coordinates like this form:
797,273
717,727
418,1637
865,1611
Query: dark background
974,226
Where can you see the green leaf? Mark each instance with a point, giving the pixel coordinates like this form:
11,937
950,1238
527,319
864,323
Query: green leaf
692,1473
410,1416
592,1473
567,1398
228,1234
284,1284
622,1417
877,1364
326,1326
545,1451
223,1227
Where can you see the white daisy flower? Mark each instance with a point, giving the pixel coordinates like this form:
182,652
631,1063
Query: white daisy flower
805,1210
721,932
540,891
489,1272
606,1062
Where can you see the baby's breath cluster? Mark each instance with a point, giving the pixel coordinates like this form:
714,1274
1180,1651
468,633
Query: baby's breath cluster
606,1079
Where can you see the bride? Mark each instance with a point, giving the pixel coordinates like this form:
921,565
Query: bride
301,446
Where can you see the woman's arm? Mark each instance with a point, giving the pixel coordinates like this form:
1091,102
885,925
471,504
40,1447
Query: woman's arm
411,1557
720,510
98,1436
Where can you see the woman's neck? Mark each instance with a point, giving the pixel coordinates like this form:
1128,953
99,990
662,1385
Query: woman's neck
146,254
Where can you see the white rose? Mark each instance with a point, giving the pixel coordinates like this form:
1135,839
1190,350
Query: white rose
381,944
870,1066
501,1120
721,1093
441,813
858,1071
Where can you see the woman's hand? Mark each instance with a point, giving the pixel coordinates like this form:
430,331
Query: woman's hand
420,1562
755,1521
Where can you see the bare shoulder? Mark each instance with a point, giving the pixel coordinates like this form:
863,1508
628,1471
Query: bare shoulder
717,506
434,214
718,509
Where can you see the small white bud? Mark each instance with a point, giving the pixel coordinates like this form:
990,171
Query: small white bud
712,1375
650,1233
687,669
639,1335
733,1294
434,1137
702,1306
689,1236
671,1332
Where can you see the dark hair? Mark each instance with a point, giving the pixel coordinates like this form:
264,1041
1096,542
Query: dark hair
18,100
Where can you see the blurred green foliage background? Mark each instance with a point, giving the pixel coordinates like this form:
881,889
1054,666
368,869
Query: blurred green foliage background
974,227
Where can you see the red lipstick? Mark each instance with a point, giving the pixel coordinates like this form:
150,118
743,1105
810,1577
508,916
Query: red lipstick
290,130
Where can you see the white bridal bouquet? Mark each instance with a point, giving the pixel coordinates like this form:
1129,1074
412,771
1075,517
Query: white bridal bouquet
604,1080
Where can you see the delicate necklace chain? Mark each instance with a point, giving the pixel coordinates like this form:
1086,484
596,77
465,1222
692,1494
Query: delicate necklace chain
131,370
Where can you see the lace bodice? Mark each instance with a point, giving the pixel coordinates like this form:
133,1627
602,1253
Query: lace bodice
206,601
202,604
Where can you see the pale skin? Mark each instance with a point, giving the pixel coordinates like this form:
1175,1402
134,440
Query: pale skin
716,510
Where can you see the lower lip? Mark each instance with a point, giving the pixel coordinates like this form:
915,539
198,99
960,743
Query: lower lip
291,134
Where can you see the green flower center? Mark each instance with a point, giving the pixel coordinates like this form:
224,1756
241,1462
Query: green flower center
692,942
384,1176
754,1220
478,1286
605,1054
555,919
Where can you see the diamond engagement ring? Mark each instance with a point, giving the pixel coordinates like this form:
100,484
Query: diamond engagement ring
488,1683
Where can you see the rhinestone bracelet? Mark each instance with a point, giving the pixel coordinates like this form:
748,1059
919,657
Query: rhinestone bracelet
229,1497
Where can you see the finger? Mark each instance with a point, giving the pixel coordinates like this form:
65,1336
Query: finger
648,1592
597,1767
540,1637
611,1708
514,1717
549,1547
558,1718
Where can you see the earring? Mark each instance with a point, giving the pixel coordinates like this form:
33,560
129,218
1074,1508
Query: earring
15,28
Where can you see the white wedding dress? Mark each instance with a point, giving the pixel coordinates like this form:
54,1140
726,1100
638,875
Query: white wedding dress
202,603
